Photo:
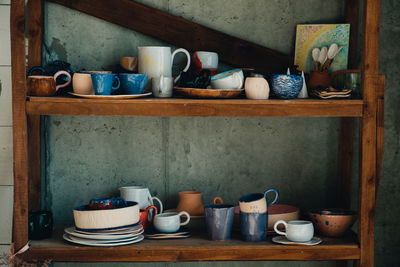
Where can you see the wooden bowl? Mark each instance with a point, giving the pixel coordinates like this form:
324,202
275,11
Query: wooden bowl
284,212
332,222
109,218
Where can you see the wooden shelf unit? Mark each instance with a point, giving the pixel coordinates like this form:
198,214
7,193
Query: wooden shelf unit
195,248
26,142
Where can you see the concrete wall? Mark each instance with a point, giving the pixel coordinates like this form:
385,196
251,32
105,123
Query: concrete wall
6,166
92,156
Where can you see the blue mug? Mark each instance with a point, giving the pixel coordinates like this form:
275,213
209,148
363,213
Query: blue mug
103,83
253,226
132,83
219,221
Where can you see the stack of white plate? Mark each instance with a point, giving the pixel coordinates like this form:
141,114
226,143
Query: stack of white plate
117,236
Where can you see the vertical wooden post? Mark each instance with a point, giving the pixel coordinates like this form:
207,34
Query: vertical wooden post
368,131
347,124
35,36
17,29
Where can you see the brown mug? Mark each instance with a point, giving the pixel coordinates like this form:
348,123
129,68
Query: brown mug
45,85
190,201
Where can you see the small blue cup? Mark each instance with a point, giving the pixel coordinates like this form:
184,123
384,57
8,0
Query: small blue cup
103,83
219,220
253,226
286,86
132,83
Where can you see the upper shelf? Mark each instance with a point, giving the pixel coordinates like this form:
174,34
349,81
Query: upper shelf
195,107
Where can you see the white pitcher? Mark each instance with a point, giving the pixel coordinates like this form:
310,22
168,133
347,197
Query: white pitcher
156,61
140,195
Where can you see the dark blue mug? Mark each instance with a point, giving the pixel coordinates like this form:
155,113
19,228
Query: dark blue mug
132,83
40,224
253,226
219,220
103,83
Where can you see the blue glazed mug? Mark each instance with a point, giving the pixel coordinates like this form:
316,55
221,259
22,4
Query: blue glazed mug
253,226
219,220
132,83
103,83
257,202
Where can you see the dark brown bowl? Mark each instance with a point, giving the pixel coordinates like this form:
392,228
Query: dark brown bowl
332,222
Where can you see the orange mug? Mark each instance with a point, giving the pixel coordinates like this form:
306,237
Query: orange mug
146,217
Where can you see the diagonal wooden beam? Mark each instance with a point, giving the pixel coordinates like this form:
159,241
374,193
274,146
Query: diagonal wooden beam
183,33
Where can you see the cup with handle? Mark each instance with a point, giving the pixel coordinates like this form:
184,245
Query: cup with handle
162,86
257,202
296,231
170,222
103,83
40,85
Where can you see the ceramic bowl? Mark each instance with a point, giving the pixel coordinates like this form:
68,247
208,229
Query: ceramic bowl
284,212
101,219
332,222
286,86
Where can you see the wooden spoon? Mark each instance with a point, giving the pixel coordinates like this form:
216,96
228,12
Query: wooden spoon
323,56
315,56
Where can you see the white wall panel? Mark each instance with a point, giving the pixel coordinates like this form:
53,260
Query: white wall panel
5,44
6,156
6,208
5,97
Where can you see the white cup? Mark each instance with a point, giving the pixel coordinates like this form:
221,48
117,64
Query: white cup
256,88
170,222
208,60
162,86
140,195
296,231
232,79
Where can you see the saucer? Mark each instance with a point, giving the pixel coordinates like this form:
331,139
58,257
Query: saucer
283,240
115,97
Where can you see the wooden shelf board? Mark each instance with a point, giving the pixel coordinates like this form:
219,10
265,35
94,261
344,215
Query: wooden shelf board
195,248
195,107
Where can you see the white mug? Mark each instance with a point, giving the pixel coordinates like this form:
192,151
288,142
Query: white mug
156,61
140,195
232,79
170,222
296,231
256,88
162,86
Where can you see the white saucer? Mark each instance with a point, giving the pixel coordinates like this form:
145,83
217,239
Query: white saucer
283,240
97,244
73,232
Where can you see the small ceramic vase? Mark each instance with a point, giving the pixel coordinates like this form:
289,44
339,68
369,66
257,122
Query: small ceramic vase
190,201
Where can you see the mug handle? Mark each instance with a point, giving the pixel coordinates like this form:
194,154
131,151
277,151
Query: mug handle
159,202
183,50
118,83
276,196
276,227
238,77
187,217
151,207
42,70
61,72
217,200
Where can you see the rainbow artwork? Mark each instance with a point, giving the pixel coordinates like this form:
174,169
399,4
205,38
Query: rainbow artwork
309,36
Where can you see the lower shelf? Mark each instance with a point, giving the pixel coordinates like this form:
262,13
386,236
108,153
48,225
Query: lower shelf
195,248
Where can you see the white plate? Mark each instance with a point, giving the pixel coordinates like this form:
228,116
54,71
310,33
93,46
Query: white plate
115,97
72,232
136,240
96,241
283,240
